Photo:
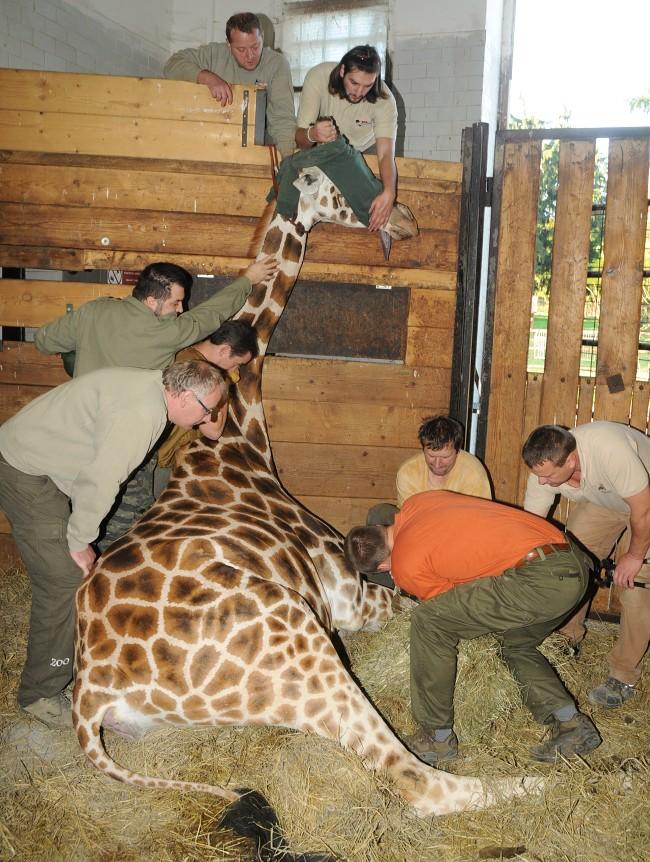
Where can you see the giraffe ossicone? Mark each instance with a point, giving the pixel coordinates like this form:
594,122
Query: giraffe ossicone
216,608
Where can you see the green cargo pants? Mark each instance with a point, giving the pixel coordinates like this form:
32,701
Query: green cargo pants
38,512
521,608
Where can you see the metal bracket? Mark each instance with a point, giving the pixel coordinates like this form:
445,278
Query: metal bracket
244,119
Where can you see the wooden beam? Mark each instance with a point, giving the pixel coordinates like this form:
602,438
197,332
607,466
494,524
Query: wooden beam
175,233
314,380
162,191
514,287
626,212
34,302
22,363
568,280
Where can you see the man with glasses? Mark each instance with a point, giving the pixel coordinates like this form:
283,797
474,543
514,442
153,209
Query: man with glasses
62,460
350,98
243,59
145,330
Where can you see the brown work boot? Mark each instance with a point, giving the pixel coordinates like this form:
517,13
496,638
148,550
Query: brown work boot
424,746
568,738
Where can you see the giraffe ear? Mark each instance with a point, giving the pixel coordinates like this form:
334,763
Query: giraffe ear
309,181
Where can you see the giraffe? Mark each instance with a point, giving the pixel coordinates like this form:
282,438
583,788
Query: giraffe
217,607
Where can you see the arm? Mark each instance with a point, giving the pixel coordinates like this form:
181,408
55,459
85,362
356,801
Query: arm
121,442
308,113
58,336
382,206
539,498
197,65
409,479
630,563
280,111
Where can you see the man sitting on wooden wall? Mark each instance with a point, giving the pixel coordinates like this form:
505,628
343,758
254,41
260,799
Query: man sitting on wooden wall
603,467
243,59
442,466
144,330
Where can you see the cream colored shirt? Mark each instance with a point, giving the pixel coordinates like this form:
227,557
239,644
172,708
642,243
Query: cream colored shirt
614,464
467,476
361,122
88,435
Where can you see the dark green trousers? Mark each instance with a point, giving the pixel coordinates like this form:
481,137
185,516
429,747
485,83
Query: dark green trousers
521,608
38,513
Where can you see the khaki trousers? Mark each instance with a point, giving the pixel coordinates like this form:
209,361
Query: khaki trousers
38,513
598,529
521,608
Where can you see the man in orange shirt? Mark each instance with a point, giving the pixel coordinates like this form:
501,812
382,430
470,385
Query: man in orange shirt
478,568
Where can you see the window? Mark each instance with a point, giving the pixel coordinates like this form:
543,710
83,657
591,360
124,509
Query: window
316,32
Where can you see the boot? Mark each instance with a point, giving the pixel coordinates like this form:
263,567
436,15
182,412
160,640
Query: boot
568,738
612,693
424,746
51,711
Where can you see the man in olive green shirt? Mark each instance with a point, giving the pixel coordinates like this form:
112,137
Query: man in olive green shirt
145,330
243,59
62,460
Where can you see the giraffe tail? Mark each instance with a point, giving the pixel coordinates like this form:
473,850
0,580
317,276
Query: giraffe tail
89,736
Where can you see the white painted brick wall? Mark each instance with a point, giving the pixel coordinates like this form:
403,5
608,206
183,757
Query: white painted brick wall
55,36
438,83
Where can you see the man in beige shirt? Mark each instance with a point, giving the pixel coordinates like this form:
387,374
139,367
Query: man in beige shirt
603,468
441,466
62,460
350,98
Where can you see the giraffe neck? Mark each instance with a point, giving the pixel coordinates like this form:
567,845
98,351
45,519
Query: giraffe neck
286,240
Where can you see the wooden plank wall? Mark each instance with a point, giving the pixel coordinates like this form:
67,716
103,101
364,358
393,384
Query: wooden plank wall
520,401
100,172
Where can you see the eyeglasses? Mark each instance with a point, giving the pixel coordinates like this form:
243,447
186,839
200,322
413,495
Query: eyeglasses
208,410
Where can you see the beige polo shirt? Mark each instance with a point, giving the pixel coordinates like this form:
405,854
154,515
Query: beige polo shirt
467,476
361,122
614,464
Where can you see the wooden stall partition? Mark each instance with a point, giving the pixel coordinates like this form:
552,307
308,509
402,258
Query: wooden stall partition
626,213
515,265
89,198
568,279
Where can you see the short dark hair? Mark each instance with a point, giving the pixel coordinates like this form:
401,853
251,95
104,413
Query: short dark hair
245,22
366,59
548,443
435,432
366,547
239,335
156,280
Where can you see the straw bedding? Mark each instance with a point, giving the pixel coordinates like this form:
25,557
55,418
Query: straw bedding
54,805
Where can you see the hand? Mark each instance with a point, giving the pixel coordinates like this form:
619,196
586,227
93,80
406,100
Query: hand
214,429
380,209
84,559
627,568
218,88
323,132
262,269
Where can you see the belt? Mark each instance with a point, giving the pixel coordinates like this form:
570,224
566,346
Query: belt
542,551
